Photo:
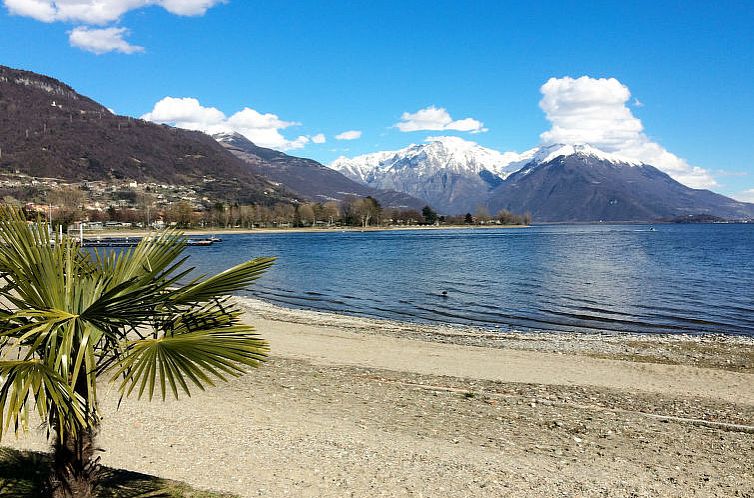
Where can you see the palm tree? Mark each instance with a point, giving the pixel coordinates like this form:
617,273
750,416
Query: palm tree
69,317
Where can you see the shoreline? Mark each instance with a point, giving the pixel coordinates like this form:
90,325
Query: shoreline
368,407
250,231
719,351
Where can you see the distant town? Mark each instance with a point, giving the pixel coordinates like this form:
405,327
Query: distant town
129,204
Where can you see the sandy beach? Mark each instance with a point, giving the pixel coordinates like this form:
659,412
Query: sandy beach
351,406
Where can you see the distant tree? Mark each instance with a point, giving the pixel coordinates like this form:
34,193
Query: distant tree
468,219
482,215
429,215
506,217
181,213
217,214
331,212
297,216
306,213
366,211
145,205
69,205
97,215
283,213
246,216
262,215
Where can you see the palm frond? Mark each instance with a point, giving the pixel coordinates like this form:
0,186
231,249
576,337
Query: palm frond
231,280
152,256
40,269
28,384
198,356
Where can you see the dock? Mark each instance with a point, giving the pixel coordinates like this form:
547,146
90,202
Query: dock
133,241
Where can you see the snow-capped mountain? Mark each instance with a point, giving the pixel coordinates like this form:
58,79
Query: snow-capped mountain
451,174
546,153
582,183
557,182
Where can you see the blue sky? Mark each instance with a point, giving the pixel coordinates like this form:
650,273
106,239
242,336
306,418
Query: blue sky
305,69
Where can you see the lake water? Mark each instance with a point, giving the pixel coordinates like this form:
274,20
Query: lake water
677,279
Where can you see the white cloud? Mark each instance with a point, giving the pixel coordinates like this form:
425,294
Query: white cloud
437,119
348,135
186,113
37,9
262,129
319,138
593,111
100,41
189,7
100,11
745,196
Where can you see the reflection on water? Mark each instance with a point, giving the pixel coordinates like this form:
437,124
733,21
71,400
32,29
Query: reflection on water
680,278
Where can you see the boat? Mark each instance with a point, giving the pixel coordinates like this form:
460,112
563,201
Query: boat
199,242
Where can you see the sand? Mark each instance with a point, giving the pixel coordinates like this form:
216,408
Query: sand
359,407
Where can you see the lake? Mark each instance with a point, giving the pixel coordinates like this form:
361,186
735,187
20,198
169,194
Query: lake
676,279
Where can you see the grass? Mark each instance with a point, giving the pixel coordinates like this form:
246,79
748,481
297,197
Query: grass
24,474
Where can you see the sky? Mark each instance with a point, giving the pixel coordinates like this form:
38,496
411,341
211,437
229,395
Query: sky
668,83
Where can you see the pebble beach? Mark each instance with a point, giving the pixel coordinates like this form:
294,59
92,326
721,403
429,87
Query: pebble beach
350,406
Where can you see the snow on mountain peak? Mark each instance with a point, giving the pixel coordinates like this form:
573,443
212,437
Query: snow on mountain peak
547,153
452,174
227,136
453,154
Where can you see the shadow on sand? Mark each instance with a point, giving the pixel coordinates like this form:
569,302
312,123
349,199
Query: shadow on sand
25,474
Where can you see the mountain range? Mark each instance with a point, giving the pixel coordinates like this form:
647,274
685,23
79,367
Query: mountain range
449,173
49,130
555,183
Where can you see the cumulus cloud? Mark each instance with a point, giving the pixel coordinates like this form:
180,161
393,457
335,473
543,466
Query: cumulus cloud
594,111
100,11
319,138
100,41
348,135
262,129
437,119
37,9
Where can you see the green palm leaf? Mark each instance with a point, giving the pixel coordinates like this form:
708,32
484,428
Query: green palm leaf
197,356
231,280
31,383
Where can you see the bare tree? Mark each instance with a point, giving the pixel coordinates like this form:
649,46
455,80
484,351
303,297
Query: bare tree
331,212
482,215
306,213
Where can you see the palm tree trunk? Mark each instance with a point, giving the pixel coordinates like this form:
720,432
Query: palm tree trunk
74,466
